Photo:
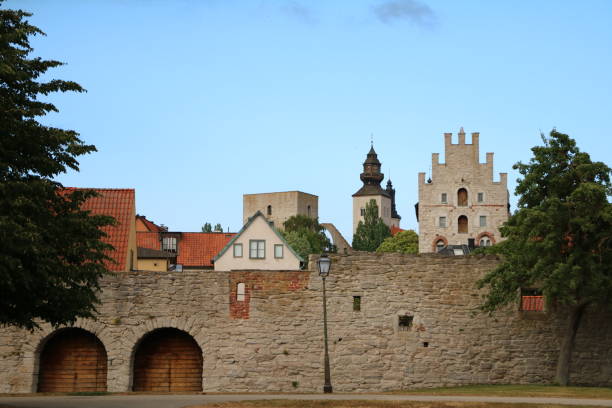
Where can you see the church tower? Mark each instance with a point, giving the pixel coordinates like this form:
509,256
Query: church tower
460,203
371,190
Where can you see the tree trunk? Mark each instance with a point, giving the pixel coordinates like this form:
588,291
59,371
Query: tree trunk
567,344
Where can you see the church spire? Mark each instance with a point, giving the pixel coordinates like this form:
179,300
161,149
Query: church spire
371,176
391,191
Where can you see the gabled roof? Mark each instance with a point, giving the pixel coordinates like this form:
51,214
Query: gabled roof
119,204
149,225
246,226
199,248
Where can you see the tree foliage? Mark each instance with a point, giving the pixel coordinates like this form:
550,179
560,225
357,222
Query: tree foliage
405,242
372,231
560,238
218,228
52,255
306,236
207,227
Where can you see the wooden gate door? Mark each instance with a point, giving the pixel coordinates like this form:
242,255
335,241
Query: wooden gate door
73,360
168,360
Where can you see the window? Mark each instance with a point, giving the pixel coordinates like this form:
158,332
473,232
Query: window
480,197
237,250
439,245
308,211
278,250
269,210
443,198
356,303
404,322
240,292
462,197
169,244
483,220
462,225
532,300
257,249
485,241
362,212
442,222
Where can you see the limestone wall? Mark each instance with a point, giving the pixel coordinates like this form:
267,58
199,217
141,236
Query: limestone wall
273,341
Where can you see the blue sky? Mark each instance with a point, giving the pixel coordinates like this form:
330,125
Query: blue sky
194,103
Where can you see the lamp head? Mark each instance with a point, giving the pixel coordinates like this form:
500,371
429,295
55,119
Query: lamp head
324,265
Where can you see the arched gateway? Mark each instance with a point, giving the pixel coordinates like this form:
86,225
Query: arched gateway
168,360
72,360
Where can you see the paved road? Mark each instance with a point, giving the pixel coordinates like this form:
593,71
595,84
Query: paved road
179,401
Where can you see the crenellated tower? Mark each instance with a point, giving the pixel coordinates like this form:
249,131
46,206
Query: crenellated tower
461,201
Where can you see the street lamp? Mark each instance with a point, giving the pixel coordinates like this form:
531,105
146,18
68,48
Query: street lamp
324,265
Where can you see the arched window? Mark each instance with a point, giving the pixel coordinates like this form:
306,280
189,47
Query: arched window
462,197
439,245
240,292
462,225
269,210
485,241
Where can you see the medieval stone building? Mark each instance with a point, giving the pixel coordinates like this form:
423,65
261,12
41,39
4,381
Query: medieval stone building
279,207
371,190
461,202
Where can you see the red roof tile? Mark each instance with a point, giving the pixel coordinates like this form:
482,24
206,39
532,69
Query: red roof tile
148,240
148,225
120,204
199,248
395,230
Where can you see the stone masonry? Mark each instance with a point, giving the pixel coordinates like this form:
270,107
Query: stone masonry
439,197
273,341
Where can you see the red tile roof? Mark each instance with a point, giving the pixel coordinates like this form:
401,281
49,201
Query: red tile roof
199,248
120,204
149,225
395,230
148,240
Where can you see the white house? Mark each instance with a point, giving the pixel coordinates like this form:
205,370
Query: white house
258,246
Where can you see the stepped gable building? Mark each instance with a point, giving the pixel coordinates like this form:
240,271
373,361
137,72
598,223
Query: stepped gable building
278,207
371,190
461,202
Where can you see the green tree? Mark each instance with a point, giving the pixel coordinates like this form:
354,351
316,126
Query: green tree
207,227
52,256
371,233
218,228
406,242
301,229
559,240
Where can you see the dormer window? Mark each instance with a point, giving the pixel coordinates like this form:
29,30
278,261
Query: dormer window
169,244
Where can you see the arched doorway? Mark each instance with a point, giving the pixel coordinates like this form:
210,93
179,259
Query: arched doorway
462,224
168,360
72,360
462,197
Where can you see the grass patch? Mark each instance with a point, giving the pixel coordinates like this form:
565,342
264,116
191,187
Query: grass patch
372,404
553,391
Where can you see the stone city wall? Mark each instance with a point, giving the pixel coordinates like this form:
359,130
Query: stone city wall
273,340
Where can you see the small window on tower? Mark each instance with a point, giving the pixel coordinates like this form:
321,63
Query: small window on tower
462,197
462,225
444,198
404,323
308,211
269,211
362,211
442,222
480,197
356,303
483,220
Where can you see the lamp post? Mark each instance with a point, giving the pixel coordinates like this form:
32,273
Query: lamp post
324,265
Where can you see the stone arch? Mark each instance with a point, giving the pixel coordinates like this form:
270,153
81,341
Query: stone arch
190,325
33,348
485,234
434,243
167,359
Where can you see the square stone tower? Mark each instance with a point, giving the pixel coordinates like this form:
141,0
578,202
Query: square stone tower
278,207
461,201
